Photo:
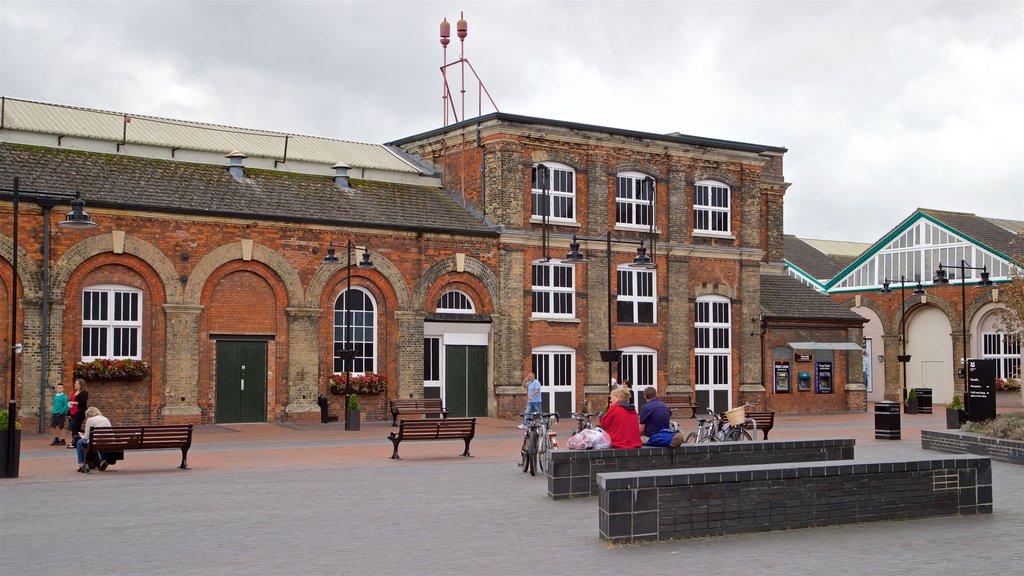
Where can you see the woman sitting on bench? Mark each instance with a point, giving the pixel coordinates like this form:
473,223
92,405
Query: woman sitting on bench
94,419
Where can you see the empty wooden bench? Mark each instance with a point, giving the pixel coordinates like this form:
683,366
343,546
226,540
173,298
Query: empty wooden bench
121,438
426,406
448,429
764,420
681,403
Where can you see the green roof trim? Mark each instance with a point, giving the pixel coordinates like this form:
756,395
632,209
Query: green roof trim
803,274
877,247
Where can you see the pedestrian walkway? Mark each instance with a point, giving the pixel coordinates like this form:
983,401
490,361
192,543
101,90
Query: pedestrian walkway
316,499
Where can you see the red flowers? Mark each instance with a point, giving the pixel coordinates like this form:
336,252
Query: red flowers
107,369
366,383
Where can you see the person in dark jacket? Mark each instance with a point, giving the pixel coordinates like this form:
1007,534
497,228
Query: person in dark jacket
654,414
621,421
78,404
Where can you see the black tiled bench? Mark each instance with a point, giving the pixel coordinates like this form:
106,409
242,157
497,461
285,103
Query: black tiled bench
684,503
573,473
957,442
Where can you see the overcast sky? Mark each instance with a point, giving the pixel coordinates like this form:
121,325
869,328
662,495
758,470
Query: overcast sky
884,106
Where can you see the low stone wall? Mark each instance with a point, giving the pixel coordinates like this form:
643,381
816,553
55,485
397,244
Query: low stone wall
666,504
573,473
956,442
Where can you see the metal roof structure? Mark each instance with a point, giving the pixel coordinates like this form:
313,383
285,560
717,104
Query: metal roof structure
127,128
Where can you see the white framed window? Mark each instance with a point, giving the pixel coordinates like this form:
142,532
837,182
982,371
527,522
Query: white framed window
555,367
634,200
455,301
553,290
1005,350
711,207
561,192
111,322
637,299
713,352
432,367
361,335
639,365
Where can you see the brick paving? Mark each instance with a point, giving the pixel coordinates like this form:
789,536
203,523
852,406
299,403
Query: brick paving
316,499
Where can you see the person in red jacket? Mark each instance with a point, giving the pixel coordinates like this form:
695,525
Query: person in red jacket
621,422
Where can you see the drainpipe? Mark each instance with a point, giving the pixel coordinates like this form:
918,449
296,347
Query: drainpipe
44,348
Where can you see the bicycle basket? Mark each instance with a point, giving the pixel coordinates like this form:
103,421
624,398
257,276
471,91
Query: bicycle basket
736,416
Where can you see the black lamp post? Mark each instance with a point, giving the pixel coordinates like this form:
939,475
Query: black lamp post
940,278
347,352
77,218
642,260
904,357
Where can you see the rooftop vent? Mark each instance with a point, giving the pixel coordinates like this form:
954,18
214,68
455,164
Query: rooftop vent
235,166
341,175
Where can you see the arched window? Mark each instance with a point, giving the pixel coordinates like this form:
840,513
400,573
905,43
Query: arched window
360,335
711,207
639,365
634,200
561,192
111,322
455,301
713,352
555,367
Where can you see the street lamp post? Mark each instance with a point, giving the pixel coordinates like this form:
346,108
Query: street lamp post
348,352
940,278
642,260
77,218
903,358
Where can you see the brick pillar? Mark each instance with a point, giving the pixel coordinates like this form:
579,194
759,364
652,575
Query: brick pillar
678,215
596,218
893,373
303,358
509,338
678,327
30,359
775,249
597,321
181,391
410,353
750,209
504,178
749,327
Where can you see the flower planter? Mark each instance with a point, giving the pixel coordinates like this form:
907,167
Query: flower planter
1009,399
955,418
911,406
12,470
352,420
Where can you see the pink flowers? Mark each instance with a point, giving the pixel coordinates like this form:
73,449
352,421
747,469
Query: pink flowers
365,383
107,369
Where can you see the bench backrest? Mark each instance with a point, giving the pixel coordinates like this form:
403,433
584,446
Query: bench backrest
141,437
437,429
681,399
416,403
763,419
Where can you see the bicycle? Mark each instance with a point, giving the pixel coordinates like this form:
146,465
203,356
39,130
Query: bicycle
718,429
537,445
583,420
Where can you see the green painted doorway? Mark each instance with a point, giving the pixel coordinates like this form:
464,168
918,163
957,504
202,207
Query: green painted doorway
465,380
241,382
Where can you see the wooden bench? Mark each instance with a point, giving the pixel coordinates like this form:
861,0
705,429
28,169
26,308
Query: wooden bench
121,438
681,403
764,420
448,429
426,406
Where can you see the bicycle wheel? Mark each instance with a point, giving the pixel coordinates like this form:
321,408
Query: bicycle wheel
691,438
525,464
544,452
531,448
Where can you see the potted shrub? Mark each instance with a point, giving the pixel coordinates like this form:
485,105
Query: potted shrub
955,413
352,413
12,470
911,405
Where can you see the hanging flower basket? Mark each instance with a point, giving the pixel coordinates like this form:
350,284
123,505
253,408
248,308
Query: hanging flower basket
365,383
107,369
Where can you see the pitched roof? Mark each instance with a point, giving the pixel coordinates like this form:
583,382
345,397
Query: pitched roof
813,257
783,296
982,230
108,180
109,126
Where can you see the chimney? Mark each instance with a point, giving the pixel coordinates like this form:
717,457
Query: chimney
341,175
235,166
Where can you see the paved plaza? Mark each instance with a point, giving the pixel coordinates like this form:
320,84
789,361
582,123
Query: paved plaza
316,499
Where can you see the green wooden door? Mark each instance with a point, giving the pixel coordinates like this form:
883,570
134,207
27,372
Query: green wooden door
465,380
241,382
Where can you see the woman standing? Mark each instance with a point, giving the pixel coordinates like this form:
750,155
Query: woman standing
78,404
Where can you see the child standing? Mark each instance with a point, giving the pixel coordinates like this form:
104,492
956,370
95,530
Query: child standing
59,415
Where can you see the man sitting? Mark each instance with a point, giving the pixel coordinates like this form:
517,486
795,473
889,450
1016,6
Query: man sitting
654,414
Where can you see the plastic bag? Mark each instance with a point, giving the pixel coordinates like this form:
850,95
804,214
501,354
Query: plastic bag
590,438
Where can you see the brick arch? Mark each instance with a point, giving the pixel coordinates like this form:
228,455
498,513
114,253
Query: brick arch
89,248
870,304
715,290
268,274
387,270
478,276
635,166
218,257
28,272
717,175
574,162
942,304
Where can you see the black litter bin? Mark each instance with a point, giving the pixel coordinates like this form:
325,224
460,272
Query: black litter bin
924,400
887,420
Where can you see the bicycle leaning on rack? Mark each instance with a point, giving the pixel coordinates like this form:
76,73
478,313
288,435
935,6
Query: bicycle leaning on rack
730,426
537,442
583,420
